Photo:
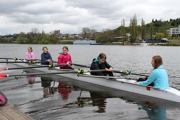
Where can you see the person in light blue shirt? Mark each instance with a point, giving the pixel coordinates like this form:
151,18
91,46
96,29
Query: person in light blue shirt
158,76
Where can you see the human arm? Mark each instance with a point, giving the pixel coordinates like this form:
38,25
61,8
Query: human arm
43,57
32,55
27,56
50,58
150,79
70,60
108,67
95,66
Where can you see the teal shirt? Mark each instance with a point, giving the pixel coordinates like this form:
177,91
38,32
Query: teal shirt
159,77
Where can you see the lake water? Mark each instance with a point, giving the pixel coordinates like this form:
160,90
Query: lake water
70,100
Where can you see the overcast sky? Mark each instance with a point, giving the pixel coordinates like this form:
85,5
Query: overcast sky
70,16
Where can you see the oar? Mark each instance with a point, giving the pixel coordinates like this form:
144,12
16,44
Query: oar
80,65
116,71
127,72
36,66
29,62
108,77
4,69
79,71
15,58
34,74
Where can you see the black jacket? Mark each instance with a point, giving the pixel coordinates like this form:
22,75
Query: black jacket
96,65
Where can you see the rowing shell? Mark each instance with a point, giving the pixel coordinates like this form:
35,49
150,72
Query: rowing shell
170,94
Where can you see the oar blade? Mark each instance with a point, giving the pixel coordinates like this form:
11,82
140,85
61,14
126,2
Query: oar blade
3,69
2,76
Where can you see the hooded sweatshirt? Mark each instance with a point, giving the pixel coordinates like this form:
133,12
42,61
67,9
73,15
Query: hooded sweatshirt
30,55
63,59
97,65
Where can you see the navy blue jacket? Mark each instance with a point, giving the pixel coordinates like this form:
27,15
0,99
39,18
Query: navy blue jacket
45,57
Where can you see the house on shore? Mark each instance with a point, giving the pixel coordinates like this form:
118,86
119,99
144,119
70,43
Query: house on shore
172,32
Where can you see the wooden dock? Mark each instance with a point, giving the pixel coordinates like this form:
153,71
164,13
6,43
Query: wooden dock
8,112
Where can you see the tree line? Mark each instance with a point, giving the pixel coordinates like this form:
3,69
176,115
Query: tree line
36,37
156,29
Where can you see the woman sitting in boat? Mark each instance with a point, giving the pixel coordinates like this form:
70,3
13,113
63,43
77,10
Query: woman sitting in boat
100,63
158,76
30,54
64,59
46,58
3,99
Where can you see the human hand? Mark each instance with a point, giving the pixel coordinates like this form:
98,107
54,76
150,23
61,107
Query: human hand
110,69
49,60
68,63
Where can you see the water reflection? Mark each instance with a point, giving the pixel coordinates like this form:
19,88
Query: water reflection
30,79
46,84
89,97
98,100
153,111
64,90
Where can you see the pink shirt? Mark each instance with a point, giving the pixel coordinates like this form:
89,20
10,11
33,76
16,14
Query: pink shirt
64,58
30,55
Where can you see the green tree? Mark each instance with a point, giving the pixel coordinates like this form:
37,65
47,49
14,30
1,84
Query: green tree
45,39
22,39
151,30
34,36
159,35
123,30
106,36
54,37
143,30
133,29
86,32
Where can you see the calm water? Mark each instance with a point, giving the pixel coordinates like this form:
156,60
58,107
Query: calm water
72,100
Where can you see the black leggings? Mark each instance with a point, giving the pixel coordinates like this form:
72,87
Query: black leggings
109,73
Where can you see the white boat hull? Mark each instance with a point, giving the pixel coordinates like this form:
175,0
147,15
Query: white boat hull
170,94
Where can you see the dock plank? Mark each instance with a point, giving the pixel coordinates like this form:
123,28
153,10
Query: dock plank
8,112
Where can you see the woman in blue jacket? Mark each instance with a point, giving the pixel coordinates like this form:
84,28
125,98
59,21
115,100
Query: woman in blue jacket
158,76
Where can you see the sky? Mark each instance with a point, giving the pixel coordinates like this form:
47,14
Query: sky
70,16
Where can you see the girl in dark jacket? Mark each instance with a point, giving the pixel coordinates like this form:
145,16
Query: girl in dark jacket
46,58
100,63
